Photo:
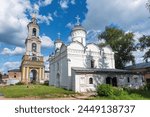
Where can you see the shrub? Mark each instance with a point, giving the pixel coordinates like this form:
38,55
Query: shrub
20,83
117,91
147,87
104,90
46,83
108,90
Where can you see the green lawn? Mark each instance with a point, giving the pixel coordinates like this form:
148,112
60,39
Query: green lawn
39,91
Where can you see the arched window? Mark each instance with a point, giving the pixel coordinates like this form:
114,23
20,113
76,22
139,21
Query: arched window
34,47
92,63
34,58
57,66
128,80
34,32
90,80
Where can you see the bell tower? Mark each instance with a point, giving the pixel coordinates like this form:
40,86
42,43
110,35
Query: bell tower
32,66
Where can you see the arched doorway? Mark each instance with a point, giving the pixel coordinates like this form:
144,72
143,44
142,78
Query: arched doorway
108,80
58,80
33,76
114,81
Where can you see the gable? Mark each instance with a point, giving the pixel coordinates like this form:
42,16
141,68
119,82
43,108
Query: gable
92,47
76,46
107,49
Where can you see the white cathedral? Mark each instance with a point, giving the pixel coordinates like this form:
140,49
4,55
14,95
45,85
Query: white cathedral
81,66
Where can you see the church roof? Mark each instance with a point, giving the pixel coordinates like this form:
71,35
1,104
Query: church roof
100,70
139,66
14,70
58,41
78,27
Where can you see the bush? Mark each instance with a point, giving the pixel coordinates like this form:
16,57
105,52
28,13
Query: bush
108,90
104,90
20,83
46,83
147,87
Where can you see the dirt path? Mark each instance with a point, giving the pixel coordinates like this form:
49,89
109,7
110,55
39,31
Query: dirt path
77,97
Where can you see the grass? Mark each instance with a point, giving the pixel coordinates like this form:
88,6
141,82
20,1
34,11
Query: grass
39,91
130,94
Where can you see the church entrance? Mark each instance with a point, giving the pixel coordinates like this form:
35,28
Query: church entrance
33,76
58,80
111,81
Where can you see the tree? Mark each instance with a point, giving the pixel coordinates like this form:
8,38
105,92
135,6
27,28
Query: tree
148,5
122,44
145,44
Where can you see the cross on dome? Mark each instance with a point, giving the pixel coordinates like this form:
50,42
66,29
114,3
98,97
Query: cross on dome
78,19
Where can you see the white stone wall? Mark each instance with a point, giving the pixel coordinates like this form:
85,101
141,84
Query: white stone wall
80,81
76,55
80,36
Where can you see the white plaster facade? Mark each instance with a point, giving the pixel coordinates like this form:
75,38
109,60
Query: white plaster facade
72,65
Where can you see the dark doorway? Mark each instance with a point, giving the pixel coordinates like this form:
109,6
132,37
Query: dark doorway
108,80
114,82
33,76
111,81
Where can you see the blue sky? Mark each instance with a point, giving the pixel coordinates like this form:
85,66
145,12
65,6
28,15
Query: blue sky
56,16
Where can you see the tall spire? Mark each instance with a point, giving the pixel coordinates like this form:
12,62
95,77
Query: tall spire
78,20
34,15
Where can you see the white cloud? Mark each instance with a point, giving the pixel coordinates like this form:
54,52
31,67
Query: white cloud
16,51
46,62
64,4
43,18
13,21
92,36
46,41
36,7
11,65
73,2
70,25
45,2
128,14
55,13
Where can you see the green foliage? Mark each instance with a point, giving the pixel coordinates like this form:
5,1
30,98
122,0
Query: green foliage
108,90
46,83
20,83
122,43
147,87
104,90
40,91
144,43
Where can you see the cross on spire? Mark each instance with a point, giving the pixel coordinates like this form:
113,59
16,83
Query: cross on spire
78,19
34,12
58,35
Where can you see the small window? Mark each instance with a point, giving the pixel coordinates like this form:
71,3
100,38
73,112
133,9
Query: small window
34,47
90,80
92,63
14,76
34,58
128,80
34,32
136,80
